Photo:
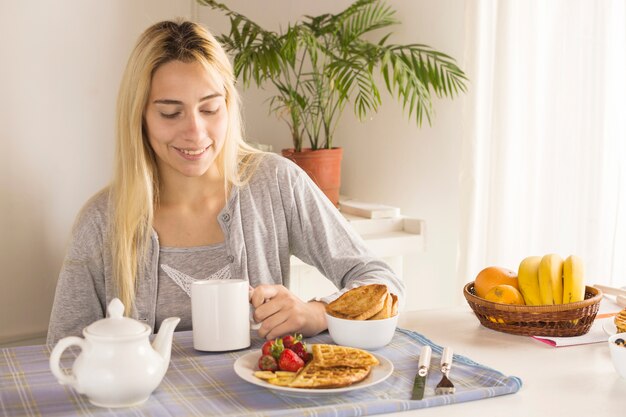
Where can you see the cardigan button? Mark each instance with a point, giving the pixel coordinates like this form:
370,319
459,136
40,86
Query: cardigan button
226,217
230,258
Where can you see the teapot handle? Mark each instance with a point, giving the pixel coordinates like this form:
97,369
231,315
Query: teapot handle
55,359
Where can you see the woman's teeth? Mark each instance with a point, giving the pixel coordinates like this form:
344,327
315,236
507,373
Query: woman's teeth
190,152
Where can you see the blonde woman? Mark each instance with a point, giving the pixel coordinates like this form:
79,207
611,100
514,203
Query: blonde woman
190,200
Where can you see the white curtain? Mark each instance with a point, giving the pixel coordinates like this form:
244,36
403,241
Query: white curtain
544,152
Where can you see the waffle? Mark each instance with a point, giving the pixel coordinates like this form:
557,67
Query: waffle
328,356
620,321
359,303
312,376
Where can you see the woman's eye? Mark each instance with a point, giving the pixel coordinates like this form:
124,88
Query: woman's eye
210,111
170,115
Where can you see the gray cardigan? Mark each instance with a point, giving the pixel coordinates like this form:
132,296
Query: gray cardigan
278,213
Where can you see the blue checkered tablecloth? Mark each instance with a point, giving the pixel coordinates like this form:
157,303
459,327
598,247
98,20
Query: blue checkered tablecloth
205,384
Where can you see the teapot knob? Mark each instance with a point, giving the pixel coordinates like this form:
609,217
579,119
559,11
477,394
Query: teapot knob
115,308
116,325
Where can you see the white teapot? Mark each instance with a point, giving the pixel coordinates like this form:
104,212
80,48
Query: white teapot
117,366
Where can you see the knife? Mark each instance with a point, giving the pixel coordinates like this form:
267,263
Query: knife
422,371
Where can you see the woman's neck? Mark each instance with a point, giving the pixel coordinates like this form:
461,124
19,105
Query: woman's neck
186,214
178,190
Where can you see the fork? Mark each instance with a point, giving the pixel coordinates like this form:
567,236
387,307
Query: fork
445,386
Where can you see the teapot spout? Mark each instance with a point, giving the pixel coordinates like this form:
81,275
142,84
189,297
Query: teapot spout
163,341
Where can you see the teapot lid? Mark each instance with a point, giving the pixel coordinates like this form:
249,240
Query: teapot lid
116,325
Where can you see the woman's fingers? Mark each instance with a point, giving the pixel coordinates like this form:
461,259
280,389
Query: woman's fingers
271,300
262,293
281,312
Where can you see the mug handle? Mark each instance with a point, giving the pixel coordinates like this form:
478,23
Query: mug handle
55,359
253,324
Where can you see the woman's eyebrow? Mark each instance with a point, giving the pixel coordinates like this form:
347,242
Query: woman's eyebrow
178,102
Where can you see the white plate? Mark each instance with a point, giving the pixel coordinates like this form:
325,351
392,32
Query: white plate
609,327
247,364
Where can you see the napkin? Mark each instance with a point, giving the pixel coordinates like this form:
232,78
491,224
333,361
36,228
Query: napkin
598,333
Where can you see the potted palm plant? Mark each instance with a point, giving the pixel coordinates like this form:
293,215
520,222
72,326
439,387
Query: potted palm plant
320,64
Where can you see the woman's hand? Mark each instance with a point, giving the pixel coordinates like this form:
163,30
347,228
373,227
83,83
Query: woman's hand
281,312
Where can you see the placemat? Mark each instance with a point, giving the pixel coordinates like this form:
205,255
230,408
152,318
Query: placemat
203,384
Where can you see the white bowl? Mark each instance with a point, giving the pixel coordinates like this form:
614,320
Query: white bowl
618,354
362,334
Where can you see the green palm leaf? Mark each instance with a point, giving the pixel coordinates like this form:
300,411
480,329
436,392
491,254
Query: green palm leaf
323,62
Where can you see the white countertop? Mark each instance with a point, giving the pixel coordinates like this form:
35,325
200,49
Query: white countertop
567,381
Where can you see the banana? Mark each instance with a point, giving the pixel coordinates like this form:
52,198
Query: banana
528,280
573,280
551,279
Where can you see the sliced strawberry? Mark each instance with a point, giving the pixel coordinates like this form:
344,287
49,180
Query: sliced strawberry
267,363
290,361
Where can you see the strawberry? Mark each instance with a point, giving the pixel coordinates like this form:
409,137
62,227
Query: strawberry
267,347
300,349
277,348
267,363
290,361
289,340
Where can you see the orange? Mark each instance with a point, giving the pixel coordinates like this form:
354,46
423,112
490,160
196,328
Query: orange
492,276
505,294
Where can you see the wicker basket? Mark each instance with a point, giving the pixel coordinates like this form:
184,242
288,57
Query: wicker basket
573,319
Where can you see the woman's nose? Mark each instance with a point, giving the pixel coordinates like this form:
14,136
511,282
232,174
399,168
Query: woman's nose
195,126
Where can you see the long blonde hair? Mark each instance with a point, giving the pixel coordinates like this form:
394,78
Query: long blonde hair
135,187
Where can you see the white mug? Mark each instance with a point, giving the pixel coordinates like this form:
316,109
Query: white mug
220,315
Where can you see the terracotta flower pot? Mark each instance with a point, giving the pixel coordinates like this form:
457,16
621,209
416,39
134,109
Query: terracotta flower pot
323,166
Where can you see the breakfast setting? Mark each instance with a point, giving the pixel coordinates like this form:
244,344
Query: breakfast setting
365,363
373,359
332,208
364,360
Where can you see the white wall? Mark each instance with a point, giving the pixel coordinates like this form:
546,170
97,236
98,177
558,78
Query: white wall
388,159
61,65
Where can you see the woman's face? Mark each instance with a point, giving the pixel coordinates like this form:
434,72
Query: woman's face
186,119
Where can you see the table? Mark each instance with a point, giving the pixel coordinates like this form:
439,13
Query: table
570,381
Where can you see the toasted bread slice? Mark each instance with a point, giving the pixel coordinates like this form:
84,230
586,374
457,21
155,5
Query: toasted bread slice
359,303
385,312
394,305
328,356
340,376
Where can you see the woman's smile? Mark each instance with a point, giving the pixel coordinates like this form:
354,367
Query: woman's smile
192,154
